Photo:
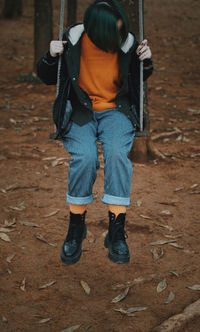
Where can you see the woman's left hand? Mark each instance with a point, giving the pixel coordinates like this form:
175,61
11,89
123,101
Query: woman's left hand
144,51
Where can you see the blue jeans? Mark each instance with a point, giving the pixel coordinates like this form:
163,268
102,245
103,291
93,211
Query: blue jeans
116,133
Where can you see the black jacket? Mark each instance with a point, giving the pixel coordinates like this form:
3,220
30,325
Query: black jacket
129,69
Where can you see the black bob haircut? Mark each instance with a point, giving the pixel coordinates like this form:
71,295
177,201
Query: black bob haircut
101,25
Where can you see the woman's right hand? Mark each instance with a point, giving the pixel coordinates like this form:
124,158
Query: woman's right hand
56,47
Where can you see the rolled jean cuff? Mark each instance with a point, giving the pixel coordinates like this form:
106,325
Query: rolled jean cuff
79,200
108,199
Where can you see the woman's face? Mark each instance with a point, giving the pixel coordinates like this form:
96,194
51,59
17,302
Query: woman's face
120,23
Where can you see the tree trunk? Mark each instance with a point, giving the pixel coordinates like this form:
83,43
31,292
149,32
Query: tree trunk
143,148
71,11
43,30
12,8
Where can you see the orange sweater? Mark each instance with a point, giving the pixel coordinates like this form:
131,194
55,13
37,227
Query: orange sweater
99,75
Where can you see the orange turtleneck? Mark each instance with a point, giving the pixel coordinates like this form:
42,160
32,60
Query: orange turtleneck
99,75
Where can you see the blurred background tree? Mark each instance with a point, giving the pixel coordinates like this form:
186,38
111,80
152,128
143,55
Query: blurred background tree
71,11
43,28
12,8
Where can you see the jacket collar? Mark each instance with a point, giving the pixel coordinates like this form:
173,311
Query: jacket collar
76,31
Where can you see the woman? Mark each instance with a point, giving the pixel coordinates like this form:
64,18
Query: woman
101,58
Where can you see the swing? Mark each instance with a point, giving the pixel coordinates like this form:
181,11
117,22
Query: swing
142,132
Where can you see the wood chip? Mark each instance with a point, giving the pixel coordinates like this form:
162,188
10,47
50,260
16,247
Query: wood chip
30,224
161,242
23,285
71,329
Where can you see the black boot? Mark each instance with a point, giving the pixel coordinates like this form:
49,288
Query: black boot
115,240
72,247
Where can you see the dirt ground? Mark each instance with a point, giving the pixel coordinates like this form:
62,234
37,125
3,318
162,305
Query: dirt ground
165,194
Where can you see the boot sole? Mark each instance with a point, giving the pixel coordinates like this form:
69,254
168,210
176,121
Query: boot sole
112,256
75,258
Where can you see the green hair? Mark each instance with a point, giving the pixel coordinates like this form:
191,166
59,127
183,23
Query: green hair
101,25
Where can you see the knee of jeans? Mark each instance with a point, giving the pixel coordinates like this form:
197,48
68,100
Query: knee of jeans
115,154
88,159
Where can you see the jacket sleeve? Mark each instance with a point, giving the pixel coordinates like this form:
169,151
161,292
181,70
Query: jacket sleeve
47,69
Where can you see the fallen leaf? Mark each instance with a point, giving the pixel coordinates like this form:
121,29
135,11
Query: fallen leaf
9,271
104,234
47,285
157,253
5,230
161,242
139,202
4,237
4,319
145,217
175,273
41,238
179,189
129,311
30,224
170,228
51,214
194,186
194,287
45,320
85,287
90,237
176,245
166,213
170,298
71,329
121,296
9,258
23,285
9,224
161,286
49,158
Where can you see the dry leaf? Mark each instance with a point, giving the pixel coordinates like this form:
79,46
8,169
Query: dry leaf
104,234
170,298
175,273
145,217
139,202
47,285
85,287
179,189
161,242
23,285
9,224
51,214
130,311
30,224
4,237
161,286
71,329
194,287
170,228
5,230
121,296
166,213
4,319
176,245
157,253
194,186
90,237
45,320
41,238
9,258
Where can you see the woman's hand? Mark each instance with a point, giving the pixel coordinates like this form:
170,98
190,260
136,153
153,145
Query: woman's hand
56,47
144,51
